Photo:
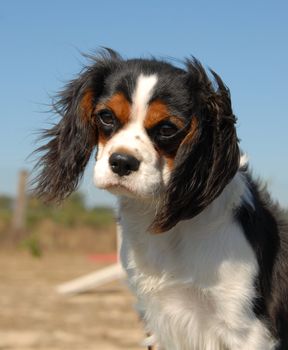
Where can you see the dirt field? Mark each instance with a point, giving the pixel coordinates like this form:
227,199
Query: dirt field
34,316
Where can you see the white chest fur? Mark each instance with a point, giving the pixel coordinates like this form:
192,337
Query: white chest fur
195,283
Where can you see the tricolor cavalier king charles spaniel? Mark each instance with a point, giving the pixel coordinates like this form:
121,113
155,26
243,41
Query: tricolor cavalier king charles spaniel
204,247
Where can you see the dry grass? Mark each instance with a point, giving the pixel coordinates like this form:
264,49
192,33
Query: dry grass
34,316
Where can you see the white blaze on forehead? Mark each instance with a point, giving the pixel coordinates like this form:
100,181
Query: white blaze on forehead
142,95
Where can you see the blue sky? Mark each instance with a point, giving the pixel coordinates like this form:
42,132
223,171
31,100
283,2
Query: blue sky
246,42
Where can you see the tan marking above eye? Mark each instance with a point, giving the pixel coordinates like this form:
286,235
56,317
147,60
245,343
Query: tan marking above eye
157,112
119,105
121,109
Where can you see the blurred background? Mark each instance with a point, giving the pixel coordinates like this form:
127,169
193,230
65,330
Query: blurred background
43,246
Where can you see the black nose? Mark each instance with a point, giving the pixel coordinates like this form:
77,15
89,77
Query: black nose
123,164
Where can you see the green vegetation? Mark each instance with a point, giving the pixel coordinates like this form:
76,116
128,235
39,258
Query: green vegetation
72,213
6,206
71,226
33,246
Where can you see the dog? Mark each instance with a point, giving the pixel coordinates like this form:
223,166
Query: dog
204,246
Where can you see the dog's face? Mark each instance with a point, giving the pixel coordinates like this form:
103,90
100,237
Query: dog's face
140,130
160,132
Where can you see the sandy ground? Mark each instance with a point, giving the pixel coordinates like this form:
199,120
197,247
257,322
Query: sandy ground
34,316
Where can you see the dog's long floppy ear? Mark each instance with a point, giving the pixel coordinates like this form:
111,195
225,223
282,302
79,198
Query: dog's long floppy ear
208,157
70,142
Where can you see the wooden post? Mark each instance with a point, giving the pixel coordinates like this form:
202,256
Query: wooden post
19,218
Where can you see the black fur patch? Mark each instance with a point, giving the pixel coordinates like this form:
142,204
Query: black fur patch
267,233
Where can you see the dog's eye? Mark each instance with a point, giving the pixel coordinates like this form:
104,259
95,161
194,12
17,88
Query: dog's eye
106,118
167,130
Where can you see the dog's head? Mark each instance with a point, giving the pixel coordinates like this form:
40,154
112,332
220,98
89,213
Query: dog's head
160,132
